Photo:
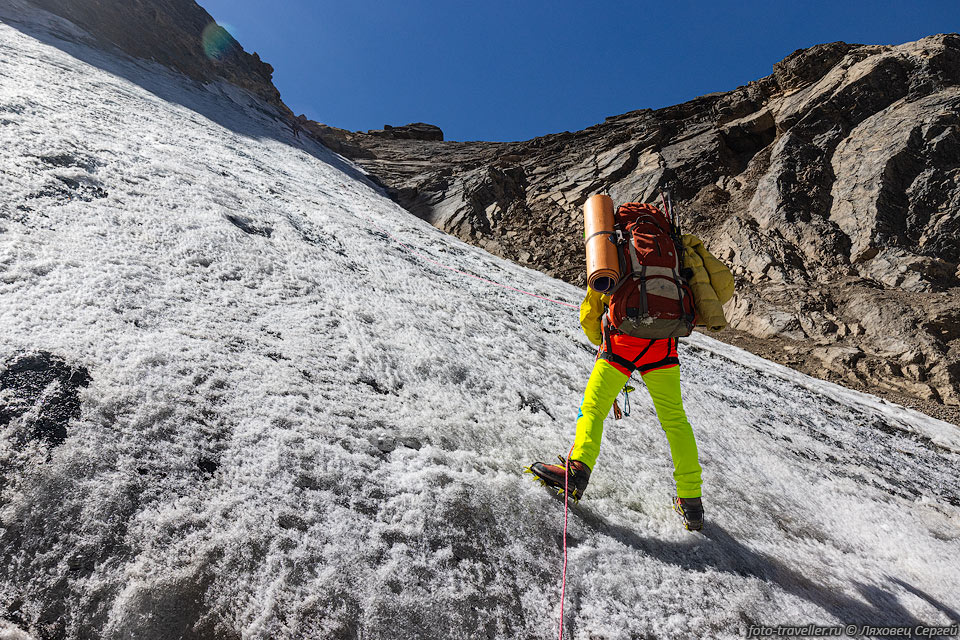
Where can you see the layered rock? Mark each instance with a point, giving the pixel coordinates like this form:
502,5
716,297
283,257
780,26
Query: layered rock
830,186
413,131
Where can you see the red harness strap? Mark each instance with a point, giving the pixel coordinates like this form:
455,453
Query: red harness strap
628,354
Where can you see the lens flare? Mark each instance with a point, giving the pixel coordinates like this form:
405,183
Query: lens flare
217,41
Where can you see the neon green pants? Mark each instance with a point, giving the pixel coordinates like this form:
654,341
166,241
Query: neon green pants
664,388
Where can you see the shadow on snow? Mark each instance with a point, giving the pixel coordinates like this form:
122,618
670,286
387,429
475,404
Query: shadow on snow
879,607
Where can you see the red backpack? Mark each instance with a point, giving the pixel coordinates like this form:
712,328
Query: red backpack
652,299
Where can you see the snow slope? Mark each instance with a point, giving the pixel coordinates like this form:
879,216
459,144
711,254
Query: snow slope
296,428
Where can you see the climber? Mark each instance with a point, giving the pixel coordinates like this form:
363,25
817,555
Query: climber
619,356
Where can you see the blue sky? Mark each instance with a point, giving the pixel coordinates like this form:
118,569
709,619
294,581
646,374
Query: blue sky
498,70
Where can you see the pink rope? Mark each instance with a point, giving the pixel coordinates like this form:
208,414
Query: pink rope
464,273
566,493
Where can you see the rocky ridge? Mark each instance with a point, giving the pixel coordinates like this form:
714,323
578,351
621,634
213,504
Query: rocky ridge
179,34
830,186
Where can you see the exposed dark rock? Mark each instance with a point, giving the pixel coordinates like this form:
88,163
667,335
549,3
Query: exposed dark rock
176,33
830,186
73,159
207,466
39,396
63,189
339,140
249,226
414,131
804,66
290,521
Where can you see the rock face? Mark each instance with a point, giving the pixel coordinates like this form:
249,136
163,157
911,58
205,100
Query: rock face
413,131
177,33
830,187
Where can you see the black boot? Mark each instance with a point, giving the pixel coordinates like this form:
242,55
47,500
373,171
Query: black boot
692,511
552,475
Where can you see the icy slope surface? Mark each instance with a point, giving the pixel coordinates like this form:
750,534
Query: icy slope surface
295,428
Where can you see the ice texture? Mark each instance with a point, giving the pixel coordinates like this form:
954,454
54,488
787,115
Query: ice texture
294,427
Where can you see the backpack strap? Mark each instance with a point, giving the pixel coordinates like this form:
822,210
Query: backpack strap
606,347
607,330
612,234
643,291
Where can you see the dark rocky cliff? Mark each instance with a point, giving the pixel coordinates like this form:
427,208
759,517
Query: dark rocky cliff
830,186
176,33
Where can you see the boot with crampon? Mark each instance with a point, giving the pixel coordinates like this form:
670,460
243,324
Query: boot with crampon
552,475
692,511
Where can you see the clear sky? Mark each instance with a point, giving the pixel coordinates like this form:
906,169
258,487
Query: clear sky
498,70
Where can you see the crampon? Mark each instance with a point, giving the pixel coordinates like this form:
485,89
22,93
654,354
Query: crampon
691,509
552,476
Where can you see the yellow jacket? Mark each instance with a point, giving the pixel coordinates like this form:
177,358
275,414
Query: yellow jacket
591,312
712,285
